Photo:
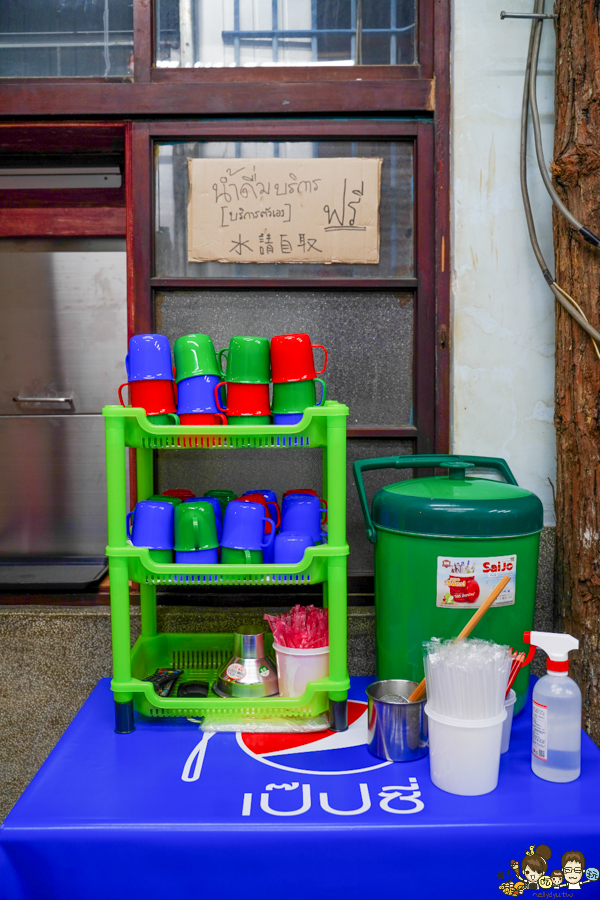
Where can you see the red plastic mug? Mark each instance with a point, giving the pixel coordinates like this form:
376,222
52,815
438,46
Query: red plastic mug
244,399
203,419
268,504
156,397
463,588
292,358
181,494
308,491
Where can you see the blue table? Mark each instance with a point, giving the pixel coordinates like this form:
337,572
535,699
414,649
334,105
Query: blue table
164,813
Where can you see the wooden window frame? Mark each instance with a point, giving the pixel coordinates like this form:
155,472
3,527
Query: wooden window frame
145,135
419,92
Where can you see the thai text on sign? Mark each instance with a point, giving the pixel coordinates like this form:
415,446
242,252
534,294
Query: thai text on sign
284,210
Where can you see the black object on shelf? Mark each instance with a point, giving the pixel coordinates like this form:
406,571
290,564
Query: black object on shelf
62,573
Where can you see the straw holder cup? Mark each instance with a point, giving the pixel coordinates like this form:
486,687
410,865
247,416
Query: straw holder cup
397,731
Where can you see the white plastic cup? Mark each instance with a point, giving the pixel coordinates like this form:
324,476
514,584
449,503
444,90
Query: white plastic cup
509,706
464,754
295,668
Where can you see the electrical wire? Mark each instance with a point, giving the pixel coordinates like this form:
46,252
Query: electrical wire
587,235
565,299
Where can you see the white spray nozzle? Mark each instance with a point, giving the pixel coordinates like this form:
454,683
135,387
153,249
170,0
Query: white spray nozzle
557,646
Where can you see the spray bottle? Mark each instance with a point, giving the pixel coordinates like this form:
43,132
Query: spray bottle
556,737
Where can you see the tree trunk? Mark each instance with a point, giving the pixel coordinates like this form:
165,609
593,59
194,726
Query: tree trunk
576,170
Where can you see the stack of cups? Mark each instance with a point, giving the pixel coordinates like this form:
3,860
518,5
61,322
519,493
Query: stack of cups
247,377
218,512
244,537
294,377
150,378
198,374
301,525
272,507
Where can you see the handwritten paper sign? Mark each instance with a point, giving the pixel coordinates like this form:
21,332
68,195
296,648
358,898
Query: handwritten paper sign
284,210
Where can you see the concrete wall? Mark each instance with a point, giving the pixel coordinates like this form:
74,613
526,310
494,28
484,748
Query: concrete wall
503,345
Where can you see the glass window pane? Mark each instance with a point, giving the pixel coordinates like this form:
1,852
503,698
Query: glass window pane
198,33
69,38
368,336
395,211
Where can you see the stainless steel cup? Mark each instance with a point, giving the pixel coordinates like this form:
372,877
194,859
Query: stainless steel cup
249,673
397,730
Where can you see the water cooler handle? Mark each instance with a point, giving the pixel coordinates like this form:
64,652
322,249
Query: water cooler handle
456,465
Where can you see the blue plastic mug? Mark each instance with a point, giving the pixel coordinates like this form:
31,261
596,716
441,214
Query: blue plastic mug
287,418
197,395
289,547
149,358
152,524
197,557
218,512
244,526
270,496
302,513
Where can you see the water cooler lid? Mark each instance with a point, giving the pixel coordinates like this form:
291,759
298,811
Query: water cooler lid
463,508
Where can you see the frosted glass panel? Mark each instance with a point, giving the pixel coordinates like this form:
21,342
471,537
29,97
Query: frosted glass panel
395,211
368,336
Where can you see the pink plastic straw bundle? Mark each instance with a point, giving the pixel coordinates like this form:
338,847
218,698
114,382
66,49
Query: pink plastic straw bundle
303,628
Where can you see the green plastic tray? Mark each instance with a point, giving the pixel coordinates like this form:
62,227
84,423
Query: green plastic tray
311,431
201,656
312,569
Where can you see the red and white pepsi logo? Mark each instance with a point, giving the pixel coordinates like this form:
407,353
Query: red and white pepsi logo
321,753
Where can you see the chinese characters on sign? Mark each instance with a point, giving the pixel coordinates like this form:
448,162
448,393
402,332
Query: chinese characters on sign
284,210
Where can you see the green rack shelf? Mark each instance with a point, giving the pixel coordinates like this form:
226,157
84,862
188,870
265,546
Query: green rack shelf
201,655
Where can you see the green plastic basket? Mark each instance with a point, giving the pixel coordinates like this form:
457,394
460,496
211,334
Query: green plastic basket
312,569
201,656
311,431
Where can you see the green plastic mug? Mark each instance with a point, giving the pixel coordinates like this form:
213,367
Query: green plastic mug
249,420
195,355
161,556
164,419
174,500
295,396
248,360
240,557
195,526
224,497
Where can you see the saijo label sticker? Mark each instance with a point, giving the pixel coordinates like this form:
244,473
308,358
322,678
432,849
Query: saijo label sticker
467,582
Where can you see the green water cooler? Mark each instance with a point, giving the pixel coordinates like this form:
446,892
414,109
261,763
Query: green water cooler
441,545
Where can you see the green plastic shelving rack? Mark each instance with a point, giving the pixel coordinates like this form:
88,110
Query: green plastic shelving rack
201,655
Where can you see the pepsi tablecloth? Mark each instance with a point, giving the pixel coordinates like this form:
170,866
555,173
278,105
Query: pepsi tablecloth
165,812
